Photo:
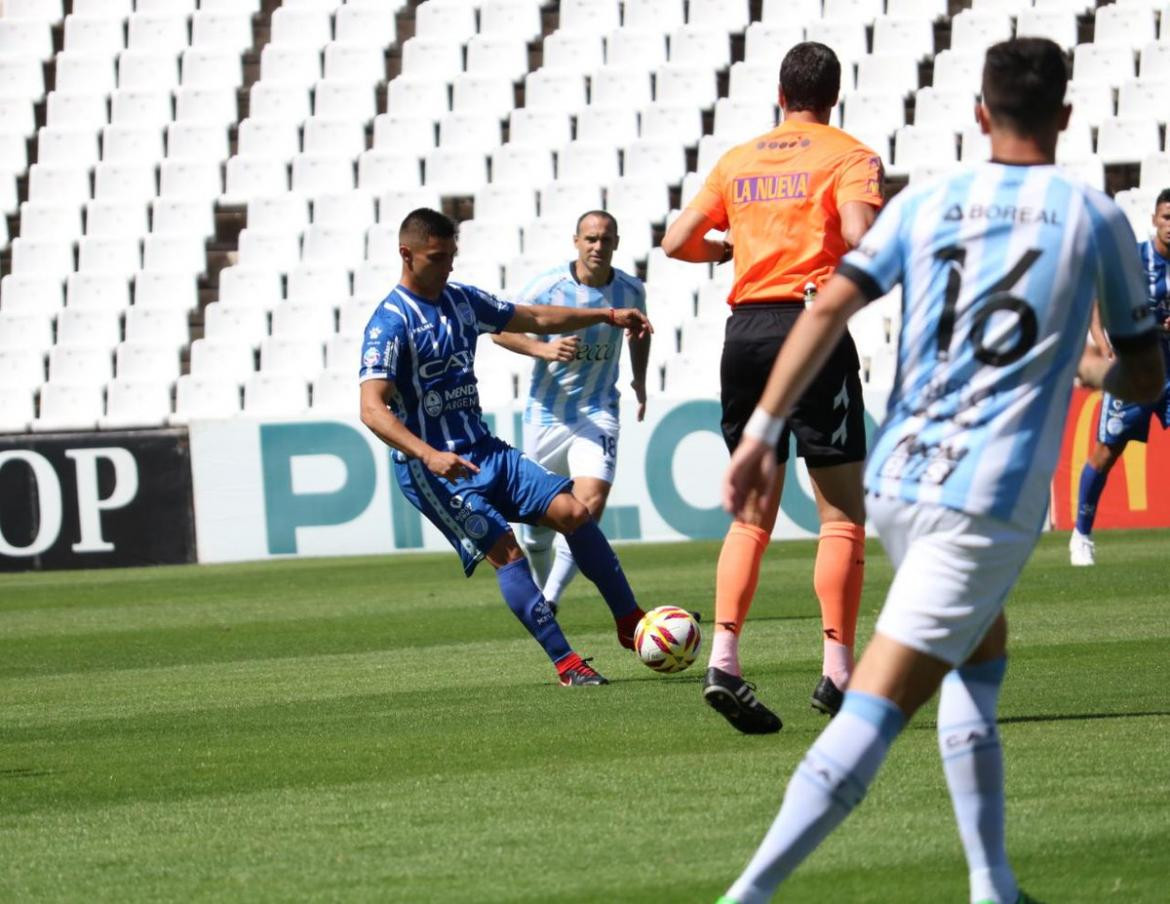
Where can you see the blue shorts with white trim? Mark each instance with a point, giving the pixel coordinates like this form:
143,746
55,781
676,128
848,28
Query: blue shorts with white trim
1121,422
475,512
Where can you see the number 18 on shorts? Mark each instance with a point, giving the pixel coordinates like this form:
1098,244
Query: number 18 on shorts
587,448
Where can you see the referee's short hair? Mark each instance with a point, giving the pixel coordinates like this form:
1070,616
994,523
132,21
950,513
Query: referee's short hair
423,223
1024,81
810,77
1163,198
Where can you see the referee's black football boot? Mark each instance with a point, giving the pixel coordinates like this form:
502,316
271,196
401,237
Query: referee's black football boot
735,700
579,673
826,697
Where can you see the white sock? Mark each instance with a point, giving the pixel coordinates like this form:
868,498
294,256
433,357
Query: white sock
725,652
973,764
538,546
837,663
830,781
563,570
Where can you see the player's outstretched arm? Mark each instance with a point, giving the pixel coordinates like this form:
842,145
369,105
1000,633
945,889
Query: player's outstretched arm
560,349
805,351
544,318
383,423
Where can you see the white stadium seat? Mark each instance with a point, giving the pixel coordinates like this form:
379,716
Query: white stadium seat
223,358
276,395
201,397
98,291
209,67
364,25
286,212
266,138
115,218
136,403
138,69
323,284
249,287
69,406
137,360
131,144
166,289
48,220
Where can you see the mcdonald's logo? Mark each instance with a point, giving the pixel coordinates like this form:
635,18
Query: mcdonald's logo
1138,492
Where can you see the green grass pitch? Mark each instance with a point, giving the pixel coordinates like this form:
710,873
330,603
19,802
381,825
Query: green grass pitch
381,729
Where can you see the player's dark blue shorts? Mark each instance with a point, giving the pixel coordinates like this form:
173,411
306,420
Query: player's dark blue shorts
473,513
1120,422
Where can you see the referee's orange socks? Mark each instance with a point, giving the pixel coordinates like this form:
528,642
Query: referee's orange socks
736,577
837,578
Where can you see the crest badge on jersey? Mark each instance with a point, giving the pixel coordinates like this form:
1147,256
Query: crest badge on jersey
371,358
433,404
465,314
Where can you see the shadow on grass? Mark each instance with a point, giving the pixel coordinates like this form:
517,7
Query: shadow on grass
1078,717
25,772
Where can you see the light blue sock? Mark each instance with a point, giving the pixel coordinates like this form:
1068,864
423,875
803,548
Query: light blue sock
972,757
831,780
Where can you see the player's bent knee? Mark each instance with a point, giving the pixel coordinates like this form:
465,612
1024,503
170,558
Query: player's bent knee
566,513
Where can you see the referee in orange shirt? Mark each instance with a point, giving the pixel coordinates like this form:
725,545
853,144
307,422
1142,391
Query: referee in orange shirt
794,200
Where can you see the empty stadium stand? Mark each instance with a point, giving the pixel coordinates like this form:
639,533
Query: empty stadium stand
201,197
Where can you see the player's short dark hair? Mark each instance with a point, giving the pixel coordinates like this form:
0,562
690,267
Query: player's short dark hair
423,223
1024,81
605,214
1163,198
810,77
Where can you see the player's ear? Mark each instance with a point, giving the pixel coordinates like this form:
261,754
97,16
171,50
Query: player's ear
983,118
405,253
1065,113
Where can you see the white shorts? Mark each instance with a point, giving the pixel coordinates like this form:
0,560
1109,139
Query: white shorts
953,572
587,448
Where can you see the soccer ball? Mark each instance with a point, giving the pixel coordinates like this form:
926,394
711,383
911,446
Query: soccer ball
667,639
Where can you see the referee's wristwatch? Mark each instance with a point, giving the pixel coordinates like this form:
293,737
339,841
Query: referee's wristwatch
728,252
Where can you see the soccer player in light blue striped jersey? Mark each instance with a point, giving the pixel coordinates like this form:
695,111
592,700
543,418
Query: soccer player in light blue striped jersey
419,396
999,266
1122,422
571,418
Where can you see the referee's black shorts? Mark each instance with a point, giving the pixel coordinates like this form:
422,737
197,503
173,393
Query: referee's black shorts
829,419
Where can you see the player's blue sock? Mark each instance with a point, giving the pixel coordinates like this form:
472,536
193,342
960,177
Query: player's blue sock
525,600
831,780
598,562
1092,483
973,763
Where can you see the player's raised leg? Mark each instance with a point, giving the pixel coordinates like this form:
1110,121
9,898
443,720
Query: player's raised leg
838,575
597,561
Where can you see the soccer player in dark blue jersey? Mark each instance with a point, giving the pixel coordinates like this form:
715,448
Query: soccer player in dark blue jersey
419,396
1122,421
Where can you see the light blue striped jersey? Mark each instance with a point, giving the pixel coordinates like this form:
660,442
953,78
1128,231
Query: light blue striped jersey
566,392
428,350
999,267
1157,271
